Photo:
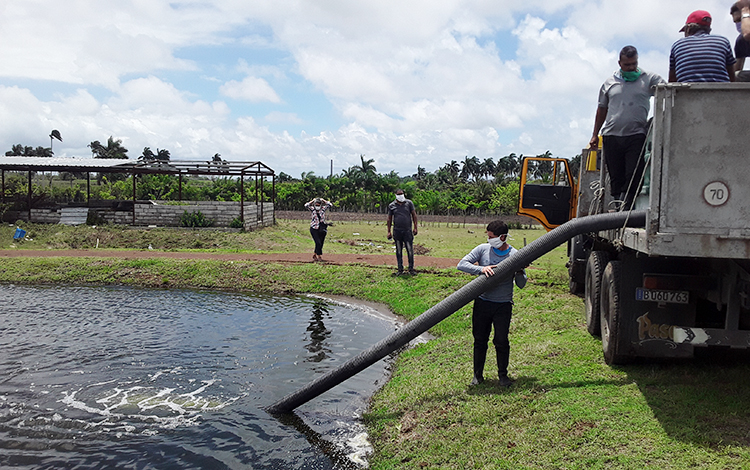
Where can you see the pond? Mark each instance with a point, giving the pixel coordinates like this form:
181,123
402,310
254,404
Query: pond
116,377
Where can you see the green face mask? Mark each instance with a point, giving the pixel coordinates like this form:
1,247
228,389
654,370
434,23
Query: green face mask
630,76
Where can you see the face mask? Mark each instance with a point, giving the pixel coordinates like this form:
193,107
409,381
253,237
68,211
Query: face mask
317,207
400,198
738,25
496,242
630,76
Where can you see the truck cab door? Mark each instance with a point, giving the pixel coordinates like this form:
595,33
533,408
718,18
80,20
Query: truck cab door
548,192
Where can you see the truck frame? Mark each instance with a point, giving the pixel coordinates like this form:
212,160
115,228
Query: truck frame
683,281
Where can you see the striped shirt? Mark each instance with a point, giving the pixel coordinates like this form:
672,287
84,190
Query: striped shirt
701,58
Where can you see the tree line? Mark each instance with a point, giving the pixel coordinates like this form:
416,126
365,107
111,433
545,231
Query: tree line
472,186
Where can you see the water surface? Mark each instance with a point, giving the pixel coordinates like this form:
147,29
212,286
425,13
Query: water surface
114,377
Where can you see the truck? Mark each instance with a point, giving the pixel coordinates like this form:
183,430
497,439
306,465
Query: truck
682,282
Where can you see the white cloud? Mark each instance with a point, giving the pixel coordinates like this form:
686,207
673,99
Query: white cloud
252,89
414,83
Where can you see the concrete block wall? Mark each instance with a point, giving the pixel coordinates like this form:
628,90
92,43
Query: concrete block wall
254,218
114,217
168,215
221,212
45,216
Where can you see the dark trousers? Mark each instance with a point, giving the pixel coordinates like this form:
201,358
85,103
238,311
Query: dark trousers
319,237
486,315
624,162
404,239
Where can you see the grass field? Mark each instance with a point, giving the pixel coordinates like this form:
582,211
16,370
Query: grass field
568,409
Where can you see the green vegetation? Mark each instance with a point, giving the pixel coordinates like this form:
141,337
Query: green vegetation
567,409
469,187
194,219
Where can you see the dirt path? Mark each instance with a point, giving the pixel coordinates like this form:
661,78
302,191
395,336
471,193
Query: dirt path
372,260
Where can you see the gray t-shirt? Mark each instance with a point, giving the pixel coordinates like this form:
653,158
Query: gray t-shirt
627,103
401,214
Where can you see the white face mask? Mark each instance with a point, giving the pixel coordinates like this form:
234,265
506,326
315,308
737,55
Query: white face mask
400,198
496,242
738,25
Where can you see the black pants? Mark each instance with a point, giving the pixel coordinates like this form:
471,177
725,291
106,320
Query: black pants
404,239
319,237
624,162
486,315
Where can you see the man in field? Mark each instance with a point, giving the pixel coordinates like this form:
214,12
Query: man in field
494,307
401,214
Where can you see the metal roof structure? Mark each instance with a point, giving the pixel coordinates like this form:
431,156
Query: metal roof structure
256,169
174,167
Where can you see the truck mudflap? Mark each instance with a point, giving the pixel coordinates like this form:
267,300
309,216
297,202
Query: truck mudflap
712,337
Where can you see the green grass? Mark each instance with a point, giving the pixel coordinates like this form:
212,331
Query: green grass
568,409
288,236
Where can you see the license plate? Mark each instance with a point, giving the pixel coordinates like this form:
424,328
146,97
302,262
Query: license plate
668,296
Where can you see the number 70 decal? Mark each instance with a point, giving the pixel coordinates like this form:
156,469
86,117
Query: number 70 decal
716,193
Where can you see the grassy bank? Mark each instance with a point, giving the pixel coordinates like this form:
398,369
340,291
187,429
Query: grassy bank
567,409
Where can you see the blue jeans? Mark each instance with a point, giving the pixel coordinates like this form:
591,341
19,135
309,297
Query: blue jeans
485,315
404,239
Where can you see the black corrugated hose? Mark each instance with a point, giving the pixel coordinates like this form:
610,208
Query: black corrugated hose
455,301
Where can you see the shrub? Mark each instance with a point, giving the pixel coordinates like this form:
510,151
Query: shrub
194,219
236,223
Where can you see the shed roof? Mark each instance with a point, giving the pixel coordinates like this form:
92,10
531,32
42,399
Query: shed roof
175,167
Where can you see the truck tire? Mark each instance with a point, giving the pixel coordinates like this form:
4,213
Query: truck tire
577,255
611,315
595,265
576,282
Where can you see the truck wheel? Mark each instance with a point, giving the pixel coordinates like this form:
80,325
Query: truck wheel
595,265
611,315
577,277
577,254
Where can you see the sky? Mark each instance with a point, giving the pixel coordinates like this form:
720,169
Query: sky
300,84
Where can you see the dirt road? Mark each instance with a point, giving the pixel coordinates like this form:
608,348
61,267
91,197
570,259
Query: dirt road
372,260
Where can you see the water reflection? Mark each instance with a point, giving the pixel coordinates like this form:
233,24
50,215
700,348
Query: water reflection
318,333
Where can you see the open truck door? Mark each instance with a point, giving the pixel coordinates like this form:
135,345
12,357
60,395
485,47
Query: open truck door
548,191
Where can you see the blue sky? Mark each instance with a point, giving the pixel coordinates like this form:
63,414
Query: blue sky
296,84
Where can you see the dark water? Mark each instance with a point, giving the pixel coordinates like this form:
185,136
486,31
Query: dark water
96,377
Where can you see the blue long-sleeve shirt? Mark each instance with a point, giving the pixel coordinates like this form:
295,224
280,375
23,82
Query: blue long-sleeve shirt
484,255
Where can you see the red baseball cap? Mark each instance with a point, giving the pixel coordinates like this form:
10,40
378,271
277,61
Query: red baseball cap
699,17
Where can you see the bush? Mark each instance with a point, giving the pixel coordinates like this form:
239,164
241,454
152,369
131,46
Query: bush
195,219
236,223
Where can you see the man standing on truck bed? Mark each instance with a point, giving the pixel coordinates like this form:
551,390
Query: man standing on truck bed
700,56
622,118
740,12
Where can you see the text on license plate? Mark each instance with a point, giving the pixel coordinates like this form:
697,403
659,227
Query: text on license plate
670,296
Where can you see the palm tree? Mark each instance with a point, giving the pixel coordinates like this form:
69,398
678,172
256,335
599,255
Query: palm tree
471,168
509,166
488,167
420,174
147,156
453,168
162,155
367,168
114,149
